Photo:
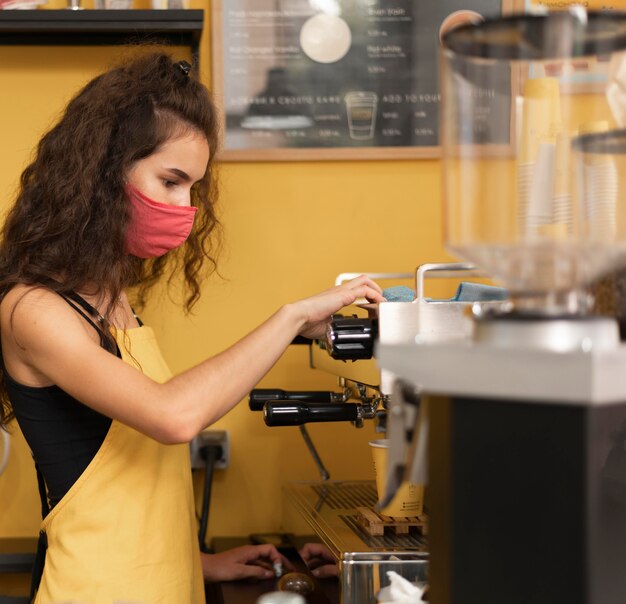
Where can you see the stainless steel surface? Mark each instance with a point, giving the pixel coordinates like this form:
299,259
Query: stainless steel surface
364,575
427,320
532,375
407,431
330,509
343,277
560,335
442,270
364,371
421,320
398,322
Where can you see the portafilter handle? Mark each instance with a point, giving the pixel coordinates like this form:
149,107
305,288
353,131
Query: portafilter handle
279,413
351,338
260,396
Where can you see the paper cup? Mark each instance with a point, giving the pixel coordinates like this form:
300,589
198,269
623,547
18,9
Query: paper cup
409,500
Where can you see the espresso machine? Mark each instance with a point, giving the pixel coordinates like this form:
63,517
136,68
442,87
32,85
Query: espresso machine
526,451
367,393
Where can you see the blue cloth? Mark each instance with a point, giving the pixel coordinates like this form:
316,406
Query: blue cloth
399,293
466,292
478,292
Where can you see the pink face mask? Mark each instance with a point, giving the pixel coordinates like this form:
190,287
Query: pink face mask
156,228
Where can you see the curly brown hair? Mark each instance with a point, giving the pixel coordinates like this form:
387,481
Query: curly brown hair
67,227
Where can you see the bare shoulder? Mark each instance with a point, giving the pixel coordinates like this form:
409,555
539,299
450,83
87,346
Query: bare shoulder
29,294
26,303
48,343
29,313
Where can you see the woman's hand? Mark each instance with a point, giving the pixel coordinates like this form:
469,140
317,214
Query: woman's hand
317,309
319,560
245,562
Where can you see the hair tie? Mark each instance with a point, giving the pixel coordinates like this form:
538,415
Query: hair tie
184,67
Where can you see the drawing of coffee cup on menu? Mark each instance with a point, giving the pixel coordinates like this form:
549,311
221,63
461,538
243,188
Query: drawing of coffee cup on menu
361,108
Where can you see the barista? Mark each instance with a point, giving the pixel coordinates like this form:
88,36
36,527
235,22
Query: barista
121,191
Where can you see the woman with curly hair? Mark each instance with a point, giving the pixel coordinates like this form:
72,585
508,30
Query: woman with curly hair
121,191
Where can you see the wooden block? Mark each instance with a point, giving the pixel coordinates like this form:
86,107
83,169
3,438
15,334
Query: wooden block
376,523
400,525
371,521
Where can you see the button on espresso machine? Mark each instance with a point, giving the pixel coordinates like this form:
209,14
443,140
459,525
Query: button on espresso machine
527,415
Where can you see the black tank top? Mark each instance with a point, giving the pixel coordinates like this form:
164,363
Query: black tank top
63,434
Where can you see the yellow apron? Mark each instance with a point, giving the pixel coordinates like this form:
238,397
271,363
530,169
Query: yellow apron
126,529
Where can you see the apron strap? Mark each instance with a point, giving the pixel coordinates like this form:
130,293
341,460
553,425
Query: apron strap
40,559
83,308
42,542
139,321
43,493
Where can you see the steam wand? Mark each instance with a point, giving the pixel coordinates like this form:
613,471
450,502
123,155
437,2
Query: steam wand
313,451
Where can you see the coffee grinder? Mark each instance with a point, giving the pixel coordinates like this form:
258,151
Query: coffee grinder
527,416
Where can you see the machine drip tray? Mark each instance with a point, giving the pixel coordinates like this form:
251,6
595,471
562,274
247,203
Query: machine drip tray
331,510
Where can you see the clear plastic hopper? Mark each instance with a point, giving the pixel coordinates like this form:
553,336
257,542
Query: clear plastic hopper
533,108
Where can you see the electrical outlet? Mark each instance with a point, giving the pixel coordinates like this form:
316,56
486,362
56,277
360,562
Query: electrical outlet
210,437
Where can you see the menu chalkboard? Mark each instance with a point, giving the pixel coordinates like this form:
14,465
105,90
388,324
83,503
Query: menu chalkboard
324,79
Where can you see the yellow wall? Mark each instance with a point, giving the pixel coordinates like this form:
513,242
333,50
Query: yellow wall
290,229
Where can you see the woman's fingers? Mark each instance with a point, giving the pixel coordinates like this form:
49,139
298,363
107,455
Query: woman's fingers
374,295
319,559
312,550
367,291
372,284
253,571
318,309
326,571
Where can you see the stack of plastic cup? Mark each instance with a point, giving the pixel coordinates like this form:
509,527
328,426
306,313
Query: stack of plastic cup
541,120
600,191
601,200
